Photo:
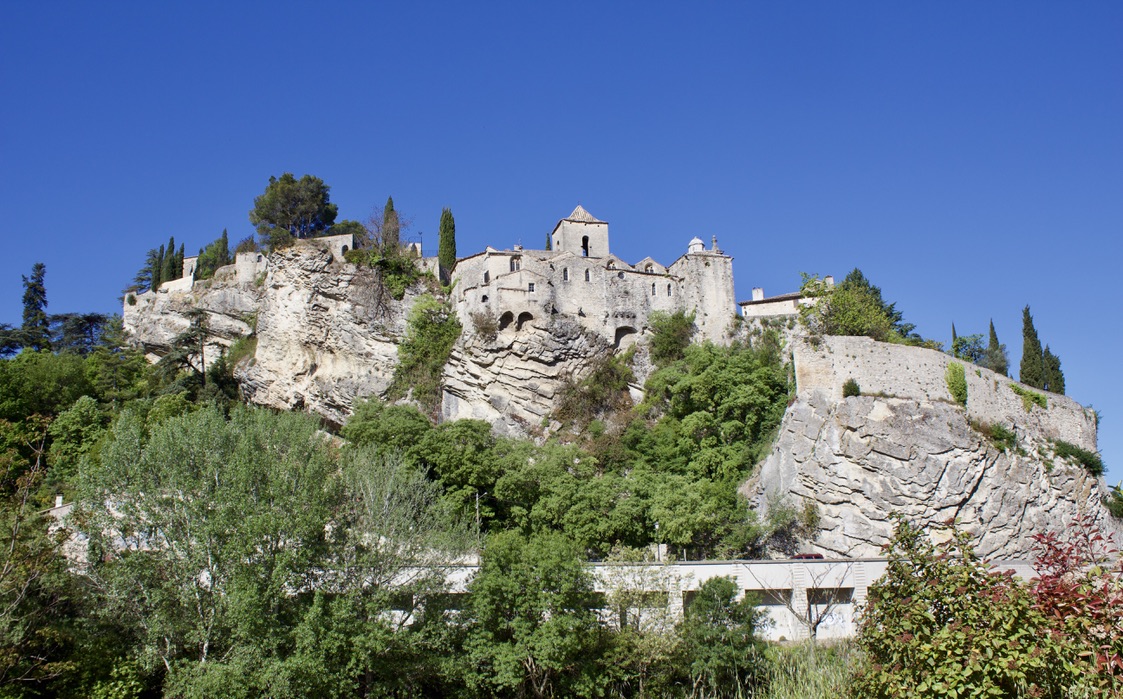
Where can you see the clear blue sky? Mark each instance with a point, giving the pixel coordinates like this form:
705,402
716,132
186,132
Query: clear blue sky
968,157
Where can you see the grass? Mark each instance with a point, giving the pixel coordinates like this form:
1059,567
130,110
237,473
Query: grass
804,671
1030,397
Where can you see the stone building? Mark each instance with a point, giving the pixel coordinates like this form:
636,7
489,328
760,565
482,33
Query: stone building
582,279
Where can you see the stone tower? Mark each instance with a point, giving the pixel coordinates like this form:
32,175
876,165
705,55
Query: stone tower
582,234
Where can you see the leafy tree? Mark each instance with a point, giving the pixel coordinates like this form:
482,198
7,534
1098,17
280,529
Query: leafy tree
214,524
74,435
1032,370
446,250
40,383
530,628
215,255
939,623
116,370
36,329
391,230
969,348
995,358
719,642
1054,377
292,208
150,276
844,310
247,244
856,281
671,334
390,428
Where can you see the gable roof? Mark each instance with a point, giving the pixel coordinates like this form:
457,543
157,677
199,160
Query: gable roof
579,214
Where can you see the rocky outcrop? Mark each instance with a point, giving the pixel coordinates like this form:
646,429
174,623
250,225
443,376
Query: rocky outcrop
914,452
328,332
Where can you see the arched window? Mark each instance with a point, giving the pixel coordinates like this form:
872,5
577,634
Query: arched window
612,264
487,277
516,264
649,269
484,298
586,275
585,246
652,288
344,250
565,274
668,290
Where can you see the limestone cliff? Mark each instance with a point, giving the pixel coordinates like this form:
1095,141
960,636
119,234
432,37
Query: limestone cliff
910,449
327,334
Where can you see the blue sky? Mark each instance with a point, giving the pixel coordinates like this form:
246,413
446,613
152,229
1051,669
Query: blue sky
968,157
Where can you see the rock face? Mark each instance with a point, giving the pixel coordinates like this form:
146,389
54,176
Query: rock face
859,459
328,332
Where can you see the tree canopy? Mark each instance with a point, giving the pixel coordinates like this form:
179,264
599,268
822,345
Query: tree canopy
291,208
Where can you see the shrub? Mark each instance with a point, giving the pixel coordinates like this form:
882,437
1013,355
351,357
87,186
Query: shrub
997,434
603,390
131,299
243,348
851,388
956,378
670,336
1114,501
1029,398
485,326
431,332
940,624
1089,460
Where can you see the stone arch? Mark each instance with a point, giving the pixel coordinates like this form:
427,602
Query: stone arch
524,317
344,249
611,264
649,268
516,263
625,336
585,246
505,320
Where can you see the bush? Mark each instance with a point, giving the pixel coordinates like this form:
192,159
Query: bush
486,327
939,623
1029,398
851,388
670,336
1114,501
957,383
605,389
431,332
1089,460
997,434
131,299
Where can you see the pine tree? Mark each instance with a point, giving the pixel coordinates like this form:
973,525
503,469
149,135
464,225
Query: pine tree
1054,377
446,249
996,359
391,243
954,337
36,328
1032,369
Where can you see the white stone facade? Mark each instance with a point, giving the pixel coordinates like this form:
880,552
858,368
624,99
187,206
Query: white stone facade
581,279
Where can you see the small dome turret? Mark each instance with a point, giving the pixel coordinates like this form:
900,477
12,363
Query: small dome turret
696,245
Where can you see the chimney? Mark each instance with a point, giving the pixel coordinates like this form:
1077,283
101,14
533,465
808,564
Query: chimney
58,501
829,280
758,293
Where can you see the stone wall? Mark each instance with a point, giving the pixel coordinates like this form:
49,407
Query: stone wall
917,373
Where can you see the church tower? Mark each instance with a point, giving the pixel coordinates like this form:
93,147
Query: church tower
582,234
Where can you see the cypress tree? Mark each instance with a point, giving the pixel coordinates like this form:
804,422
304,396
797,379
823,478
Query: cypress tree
158,268
996,353
953,339
1032,369
391,244
168,273
549,242
224,250
179,262
446,250
1054,377
36,328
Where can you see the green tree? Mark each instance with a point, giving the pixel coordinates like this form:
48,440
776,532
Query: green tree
171,270
446,251
1054,377
79,333
292,208
36,329
856,281
1032,369
431,331
214,524
995,358
939,622
530,630
969,348
719,642
671,334
954,337
391,230
215,255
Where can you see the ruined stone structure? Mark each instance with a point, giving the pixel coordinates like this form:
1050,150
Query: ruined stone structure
581,279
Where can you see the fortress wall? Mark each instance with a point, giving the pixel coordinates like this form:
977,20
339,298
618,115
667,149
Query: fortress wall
707,289
918,373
